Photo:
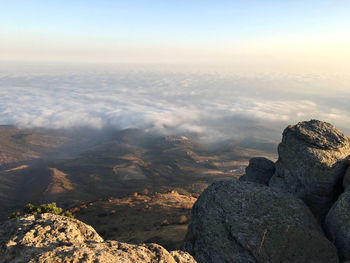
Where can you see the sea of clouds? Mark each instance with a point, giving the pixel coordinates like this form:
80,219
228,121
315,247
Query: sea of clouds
215,106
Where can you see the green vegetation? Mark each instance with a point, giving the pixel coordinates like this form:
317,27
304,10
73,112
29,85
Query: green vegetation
44,208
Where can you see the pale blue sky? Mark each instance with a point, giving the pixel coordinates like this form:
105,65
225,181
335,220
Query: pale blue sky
305,40
174,18
149,29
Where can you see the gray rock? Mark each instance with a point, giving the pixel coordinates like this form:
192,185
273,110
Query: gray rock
337,225
310,164
346,180
234,221
53,238
259,170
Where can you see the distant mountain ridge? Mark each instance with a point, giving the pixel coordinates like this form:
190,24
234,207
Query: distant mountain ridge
82,165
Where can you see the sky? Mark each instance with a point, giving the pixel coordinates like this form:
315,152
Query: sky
260,36
218,69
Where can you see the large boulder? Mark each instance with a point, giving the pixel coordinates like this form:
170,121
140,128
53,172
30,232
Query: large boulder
53,238
260,170
337,225
242,222
310,164
346,180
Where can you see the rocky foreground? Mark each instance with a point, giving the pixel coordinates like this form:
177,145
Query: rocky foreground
53,238
294,210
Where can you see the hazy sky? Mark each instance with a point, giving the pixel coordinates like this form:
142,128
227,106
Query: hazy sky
287,36
287,61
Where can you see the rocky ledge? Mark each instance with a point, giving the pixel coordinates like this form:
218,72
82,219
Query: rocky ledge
294,210
53,238
311,164
246,222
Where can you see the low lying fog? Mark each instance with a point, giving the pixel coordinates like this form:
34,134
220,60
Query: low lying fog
215,106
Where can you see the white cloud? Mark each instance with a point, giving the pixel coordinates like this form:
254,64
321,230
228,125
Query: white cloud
213,106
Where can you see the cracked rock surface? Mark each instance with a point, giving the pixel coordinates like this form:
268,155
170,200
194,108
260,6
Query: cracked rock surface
311,164
337,224
53,238
234,221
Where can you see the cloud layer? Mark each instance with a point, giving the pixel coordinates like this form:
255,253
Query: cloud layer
211,105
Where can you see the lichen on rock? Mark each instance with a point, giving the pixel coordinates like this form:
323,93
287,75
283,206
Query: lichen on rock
234,221
311,164
337,225
54,238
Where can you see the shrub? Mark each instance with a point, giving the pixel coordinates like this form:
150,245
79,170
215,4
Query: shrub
44,208
68,214
14,215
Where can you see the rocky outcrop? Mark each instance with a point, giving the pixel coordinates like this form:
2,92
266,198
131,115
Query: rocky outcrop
260,170
337,224
53,238
234,221
346,180
310,164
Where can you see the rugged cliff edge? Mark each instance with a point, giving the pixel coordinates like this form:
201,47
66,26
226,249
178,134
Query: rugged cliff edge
53,238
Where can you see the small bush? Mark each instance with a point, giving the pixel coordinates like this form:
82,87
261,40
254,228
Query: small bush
14,215
68,214
44,208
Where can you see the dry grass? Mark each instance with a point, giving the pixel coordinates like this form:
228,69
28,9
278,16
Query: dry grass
158,217
183,219
187,206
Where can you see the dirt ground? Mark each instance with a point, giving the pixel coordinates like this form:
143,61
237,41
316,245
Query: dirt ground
141,218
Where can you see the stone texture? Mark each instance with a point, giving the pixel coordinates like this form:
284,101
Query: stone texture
234,221
52,238
346,180
311,165
260,170
337,225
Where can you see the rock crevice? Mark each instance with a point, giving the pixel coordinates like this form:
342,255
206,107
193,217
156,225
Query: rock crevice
311,164
276,212
266,225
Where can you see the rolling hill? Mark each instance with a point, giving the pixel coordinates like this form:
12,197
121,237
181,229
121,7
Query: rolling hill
71,167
